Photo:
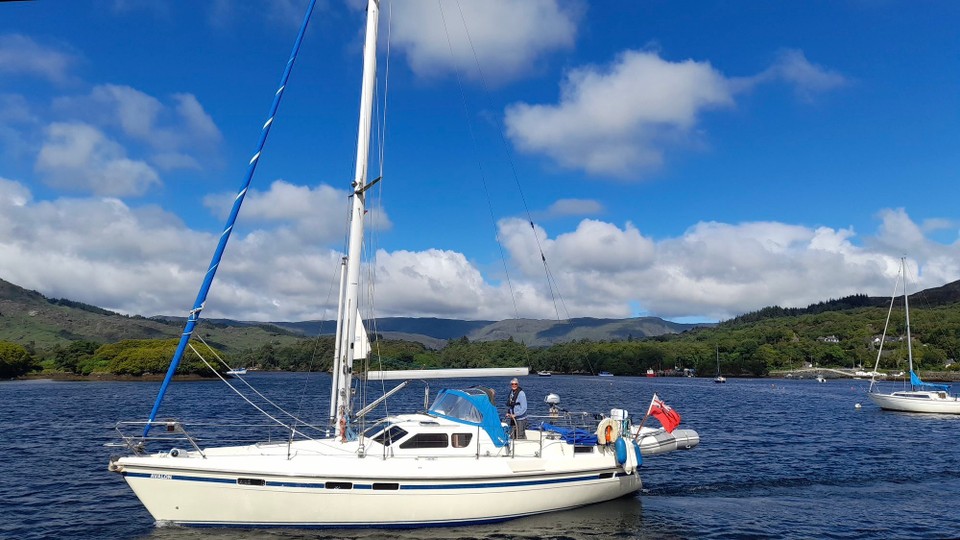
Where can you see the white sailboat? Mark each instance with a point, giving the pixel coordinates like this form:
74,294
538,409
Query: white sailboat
453,463
922,397
719,378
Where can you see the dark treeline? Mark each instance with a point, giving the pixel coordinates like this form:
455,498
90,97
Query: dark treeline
855,301
830,338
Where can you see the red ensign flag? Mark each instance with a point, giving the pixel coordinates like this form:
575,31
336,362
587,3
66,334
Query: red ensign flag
662,412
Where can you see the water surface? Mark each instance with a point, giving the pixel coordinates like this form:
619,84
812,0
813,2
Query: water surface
777,459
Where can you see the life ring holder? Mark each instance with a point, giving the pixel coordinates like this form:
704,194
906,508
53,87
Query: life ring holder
608,431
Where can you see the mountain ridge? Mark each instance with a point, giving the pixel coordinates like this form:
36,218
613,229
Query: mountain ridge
29,317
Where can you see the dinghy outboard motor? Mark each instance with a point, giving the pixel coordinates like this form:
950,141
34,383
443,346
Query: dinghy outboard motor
553,400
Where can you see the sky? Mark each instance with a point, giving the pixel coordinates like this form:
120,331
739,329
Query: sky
687,160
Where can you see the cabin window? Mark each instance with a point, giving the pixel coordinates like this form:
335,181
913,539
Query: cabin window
375,429
426,440
461,440
390,435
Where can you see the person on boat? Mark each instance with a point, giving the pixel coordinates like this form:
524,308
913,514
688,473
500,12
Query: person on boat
517,410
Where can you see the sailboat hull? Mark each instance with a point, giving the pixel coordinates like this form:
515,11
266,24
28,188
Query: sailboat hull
917,401
310,490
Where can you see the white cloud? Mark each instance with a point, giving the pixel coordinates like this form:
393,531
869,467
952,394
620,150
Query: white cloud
13,194
173,136
807,78
573,207
936,224
619,120
79,157
432,282
306,209
507,36
100,251
18,128
134,111
595,246
21,55
718,270
147,261
616,119
200,125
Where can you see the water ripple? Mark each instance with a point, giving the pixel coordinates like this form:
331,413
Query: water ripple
777,459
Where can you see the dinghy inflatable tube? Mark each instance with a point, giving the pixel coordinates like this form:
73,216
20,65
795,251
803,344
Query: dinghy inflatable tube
662,442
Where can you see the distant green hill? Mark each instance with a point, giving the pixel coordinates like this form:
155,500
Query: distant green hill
434,332
928,298
31,319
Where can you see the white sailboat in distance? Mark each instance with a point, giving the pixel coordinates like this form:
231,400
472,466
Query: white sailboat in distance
452,463
719,378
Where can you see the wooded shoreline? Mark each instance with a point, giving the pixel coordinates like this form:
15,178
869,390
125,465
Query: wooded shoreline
928,376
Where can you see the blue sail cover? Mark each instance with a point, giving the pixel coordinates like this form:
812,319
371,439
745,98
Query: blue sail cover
915,381
471,407
575,436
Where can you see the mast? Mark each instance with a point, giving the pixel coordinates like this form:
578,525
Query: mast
906,309
335,372
348,319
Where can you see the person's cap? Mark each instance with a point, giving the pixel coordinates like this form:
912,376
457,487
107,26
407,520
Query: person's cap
514,380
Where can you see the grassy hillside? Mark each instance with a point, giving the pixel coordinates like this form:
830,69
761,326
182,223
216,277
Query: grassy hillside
31,319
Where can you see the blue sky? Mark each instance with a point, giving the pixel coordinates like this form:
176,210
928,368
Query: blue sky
691,161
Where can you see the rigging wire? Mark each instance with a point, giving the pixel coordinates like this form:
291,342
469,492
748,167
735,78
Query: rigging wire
194,314
292,428
552,283
483,176
883,337
334,281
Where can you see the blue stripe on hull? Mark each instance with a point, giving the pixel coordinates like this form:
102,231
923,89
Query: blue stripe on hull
321,485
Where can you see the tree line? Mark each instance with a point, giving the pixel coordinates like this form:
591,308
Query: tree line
751,347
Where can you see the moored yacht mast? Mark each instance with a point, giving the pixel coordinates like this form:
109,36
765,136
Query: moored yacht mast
906,310
348,319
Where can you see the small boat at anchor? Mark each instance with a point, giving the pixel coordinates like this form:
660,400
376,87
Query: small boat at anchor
921,397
